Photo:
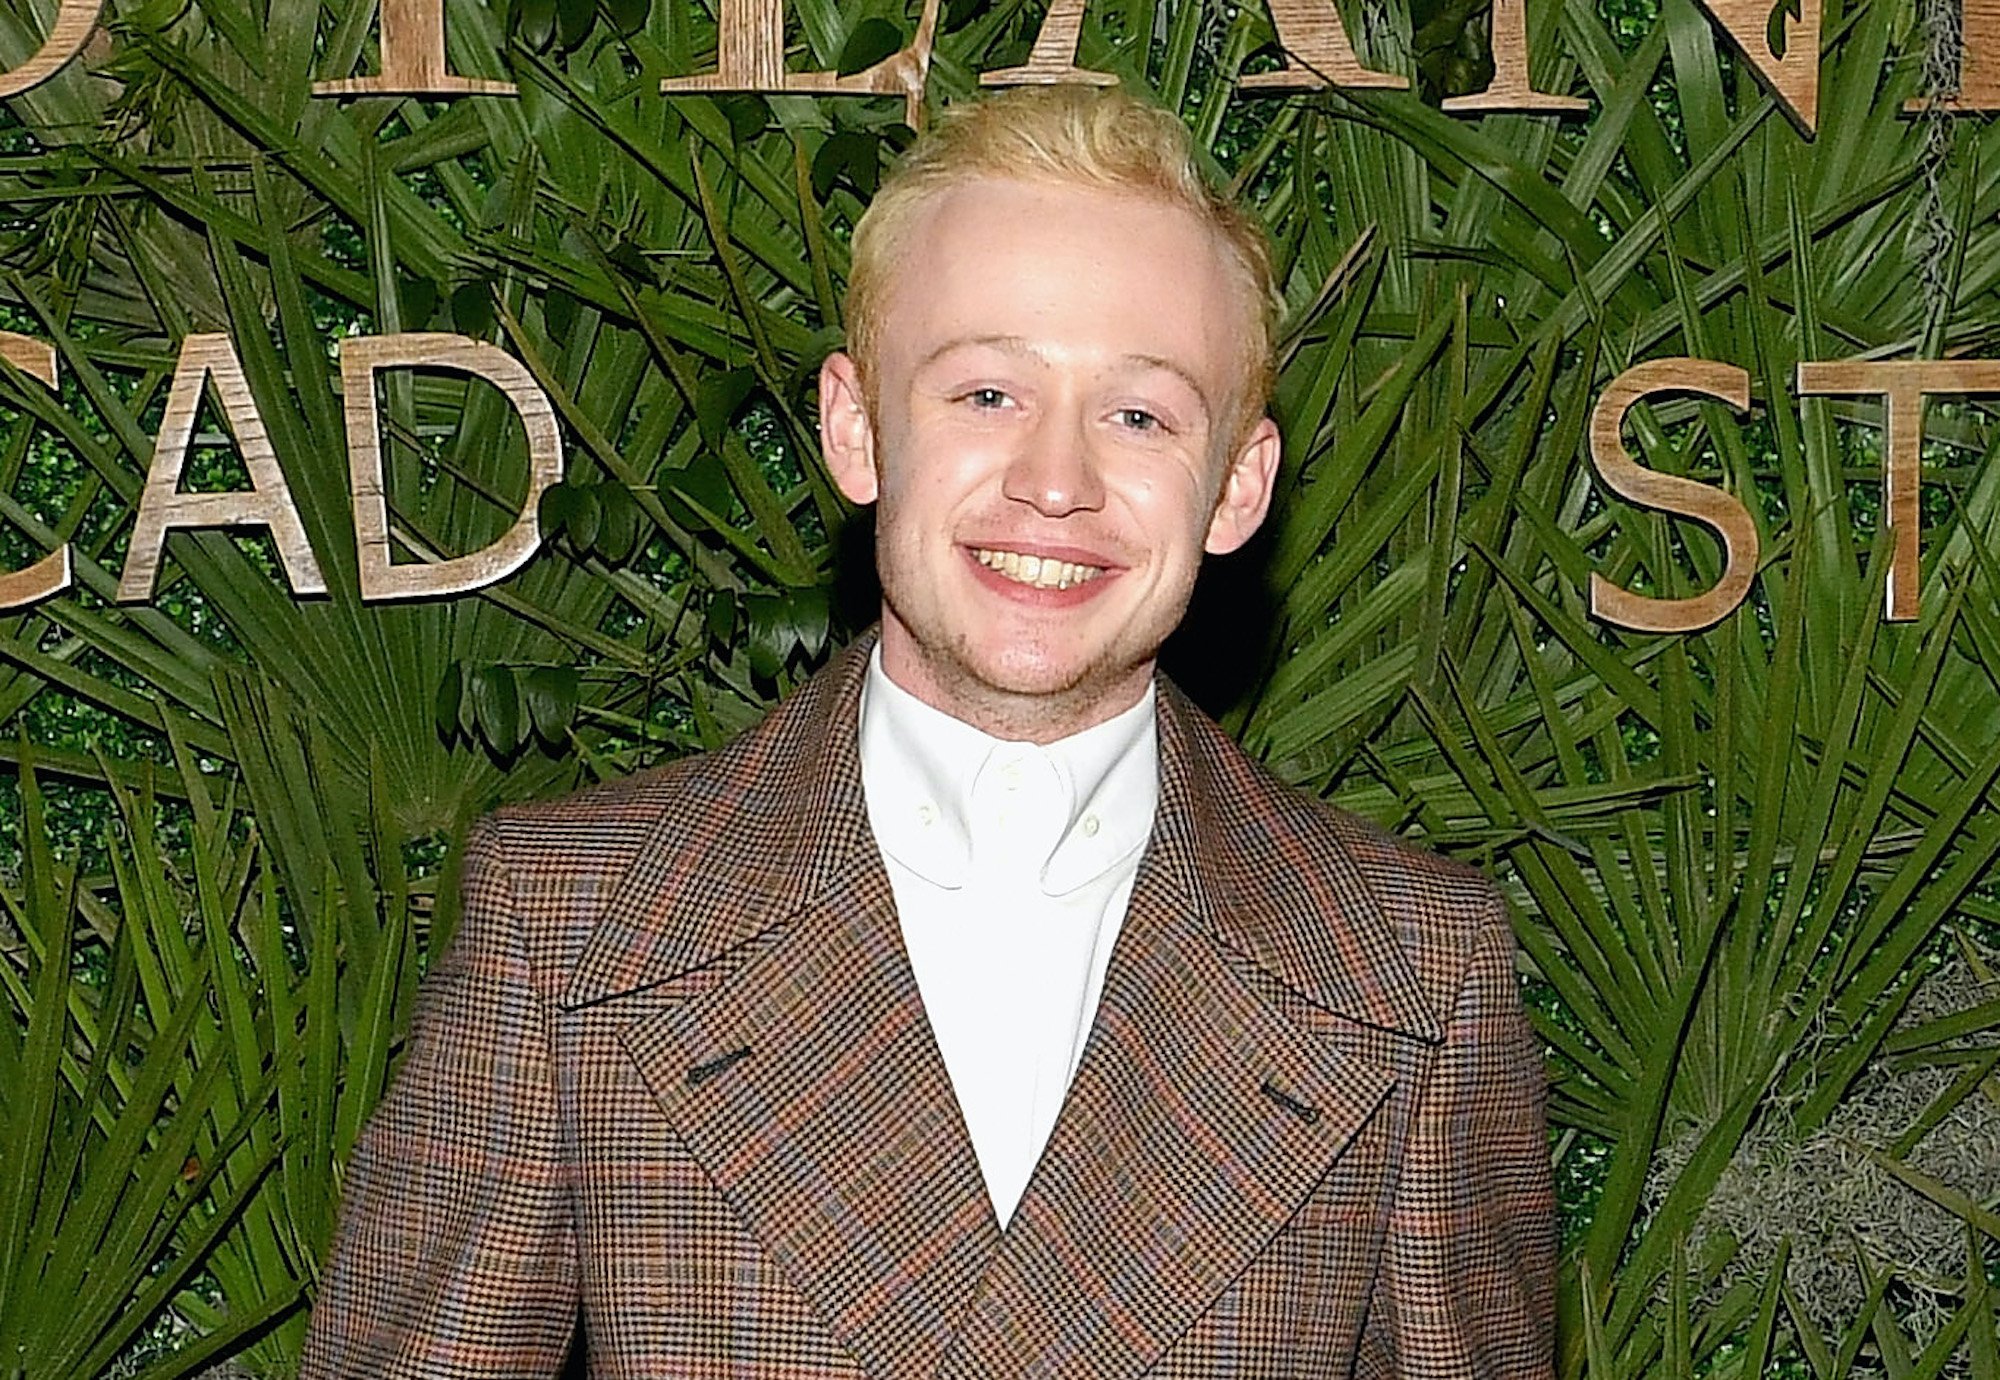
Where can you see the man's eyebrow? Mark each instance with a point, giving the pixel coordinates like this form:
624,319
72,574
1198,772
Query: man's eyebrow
1018,345
1178,371
1009,344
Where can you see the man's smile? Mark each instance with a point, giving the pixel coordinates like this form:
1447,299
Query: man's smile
1043,572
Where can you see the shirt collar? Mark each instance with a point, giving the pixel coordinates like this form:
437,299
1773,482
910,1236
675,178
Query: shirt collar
944,796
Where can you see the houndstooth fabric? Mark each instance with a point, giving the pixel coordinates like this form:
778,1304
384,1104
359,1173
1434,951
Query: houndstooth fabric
674,1078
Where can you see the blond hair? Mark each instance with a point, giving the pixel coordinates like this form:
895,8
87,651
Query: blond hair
1079,136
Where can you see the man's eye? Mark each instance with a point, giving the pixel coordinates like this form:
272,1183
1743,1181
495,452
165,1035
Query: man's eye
987,398
1139,419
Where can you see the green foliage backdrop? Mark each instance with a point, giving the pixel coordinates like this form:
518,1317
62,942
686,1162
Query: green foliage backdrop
1753,868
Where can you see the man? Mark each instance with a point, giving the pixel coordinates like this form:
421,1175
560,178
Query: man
984,1012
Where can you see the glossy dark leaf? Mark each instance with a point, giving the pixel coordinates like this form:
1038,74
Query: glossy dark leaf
583,524
559,311
537,22
628,16
771,639
472,308
557,508
704,480
496,708
721,616
575,19
853,154
618,525
450,699
719,398
812,619
551,693
418,299
749,115
871,41
633,260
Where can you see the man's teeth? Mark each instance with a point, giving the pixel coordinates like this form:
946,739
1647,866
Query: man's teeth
1043,572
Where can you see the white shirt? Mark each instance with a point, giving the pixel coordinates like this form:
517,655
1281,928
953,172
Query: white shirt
1011,866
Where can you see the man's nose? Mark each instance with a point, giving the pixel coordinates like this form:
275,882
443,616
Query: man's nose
1055,470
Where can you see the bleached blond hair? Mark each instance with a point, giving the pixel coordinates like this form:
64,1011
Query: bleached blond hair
1078,136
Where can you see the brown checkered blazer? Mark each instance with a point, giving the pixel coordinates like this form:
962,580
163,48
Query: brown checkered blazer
674,1076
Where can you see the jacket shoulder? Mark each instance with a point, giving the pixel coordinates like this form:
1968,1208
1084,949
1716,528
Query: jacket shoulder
1321,889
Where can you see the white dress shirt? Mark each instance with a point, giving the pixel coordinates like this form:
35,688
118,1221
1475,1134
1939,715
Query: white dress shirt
1011,866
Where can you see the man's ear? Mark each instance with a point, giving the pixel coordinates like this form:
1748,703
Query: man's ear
1246,490
846,435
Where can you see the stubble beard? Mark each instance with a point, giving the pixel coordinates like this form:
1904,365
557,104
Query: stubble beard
1021,708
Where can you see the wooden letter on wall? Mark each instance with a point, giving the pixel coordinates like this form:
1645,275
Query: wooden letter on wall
1793,77
1052,62
413,62
1510,88
1978,62
74,21
51,574
750,56
1901,384
360,358
266,503
1317,52
1672,494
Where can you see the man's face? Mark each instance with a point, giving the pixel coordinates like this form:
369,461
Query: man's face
1052,447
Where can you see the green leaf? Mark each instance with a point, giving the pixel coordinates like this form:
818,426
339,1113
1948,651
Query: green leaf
870,42
853,154
771,639
558,507
551,693
496,708
559,310
628,16
574,21
630,257
719,398
537,20
786,625
450,699
618,527
585,518
721,616
419,302
472,308
748,115
704,480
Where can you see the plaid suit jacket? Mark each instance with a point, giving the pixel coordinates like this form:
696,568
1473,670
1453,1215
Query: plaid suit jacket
673,1076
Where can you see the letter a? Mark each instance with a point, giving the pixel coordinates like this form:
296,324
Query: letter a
1317,52
266,503
1053,59
1788,66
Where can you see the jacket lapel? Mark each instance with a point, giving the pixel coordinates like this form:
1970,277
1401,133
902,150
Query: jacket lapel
1201,1117
805,1078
